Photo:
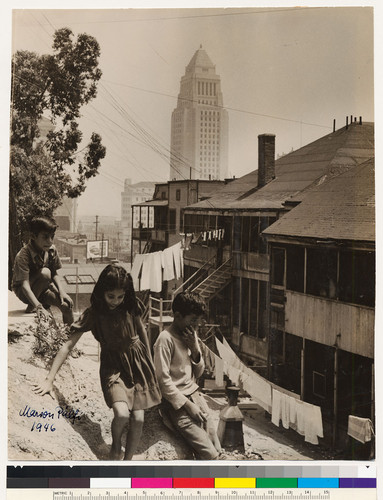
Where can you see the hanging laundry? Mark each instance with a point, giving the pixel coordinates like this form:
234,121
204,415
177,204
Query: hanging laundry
233,374
145,273
208,357
155,279
136,268
276,407
168,264
293,411
219,369
255,385
177,259
360,428
312,423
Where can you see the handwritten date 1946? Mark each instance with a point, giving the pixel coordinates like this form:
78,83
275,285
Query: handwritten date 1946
40,427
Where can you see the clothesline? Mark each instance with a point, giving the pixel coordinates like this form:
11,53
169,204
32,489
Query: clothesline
149,270
302,417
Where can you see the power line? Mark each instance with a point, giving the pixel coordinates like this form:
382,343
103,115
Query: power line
217,106
197,16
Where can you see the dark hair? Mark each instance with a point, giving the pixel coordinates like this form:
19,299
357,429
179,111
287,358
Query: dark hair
115,277
188,303
43,223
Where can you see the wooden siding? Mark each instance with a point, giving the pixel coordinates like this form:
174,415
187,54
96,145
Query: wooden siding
321,320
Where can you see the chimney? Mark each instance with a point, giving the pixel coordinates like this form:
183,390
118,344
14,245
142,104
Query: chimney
266,159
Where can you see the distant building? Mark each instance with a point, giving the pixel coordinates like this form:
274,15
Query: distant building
134,194
199,126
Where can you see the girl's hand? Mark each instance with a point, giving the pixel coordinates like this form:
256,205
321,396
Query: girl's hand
45,387
195,412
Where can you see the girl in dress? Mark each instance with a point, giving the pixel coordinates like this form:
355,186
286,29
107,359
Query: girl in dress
127,373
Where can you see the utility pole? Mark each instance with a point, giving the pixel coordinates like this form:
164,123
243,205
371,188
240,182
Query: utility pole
96,225
118,243
102,248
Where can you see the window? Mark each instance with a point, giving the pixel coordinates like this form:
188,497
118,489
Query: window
295,268
278,266
357,277
163,195
178,194
321,272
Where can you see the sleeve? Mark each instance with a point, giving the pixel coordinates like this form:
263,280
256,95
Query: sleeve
21,267
198,368
84,323
162,359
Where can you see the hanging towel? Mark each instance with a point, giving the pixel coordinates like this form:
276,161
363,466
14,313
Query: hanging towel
285,411
233,374
168,264
313,423
155,272
176,249
360,428
208,357
136,268
218,370
276,407
145,274
293,411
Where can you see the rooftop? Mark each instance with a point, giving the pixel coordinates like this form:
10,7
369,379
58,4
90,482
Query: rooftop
342,208
297,173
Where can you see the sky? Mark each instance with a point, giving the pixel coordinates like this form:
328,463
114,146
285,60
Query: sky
285,71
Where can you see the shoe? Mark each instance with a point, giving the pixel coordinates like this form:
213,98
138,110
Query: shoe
30,309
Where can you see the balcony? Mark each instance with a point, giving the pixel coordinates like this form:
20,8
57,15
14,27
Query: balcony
250,261
150,234
328,322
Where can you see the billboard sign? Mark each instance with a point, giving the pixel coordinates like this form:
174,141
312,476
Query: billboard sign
97,249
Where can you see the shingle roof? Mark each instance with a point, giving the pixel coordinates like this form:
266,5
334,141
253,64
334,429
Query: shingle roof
298,172
343,208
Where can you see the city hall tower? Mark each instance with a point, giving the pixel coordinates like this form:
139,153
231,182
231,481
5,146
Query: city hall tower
199,127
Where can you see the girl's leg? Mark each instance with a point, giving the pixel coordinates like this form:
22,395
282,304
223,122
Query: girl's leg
134,434
121,418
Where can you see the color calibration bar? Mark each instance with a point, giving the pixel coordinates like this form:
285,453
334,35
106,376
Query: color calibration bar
193,477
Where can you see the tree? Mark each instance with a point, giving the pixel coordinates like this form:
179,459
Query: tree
45,169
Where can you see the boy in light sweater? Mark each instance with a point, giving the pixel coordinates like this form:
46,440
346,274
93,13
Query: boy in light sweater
178,363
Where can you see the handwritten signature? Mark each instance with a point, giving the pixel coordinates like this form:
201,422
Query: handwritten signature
67,413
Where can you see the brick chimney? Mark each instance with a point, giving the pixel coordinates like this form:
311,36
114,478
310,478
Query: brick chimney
266,159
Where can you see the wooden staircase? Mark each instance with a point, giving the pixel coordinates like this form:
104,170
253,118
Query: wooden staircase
214,282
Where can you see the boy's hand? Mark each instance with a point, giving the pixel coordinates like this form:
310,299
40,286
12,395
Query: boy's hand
195,412
190,339
66,299
45,388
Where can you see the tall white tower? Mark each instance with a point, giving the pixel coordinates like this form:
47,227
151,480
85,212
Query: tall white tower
199,129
